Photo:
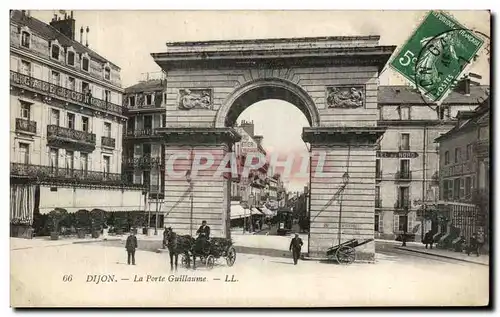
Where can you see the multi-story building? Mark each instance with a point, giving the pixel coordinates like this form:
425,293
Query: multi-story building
66,122
464,171
407,157
143,149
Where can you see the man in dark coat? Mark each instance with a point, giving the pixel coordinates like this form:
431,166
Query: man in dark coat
428,239
131,245
295,246
203,233
473,245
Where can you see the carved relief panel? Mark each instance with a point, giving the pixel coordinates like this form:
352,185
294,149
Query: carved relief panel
345,96
196,98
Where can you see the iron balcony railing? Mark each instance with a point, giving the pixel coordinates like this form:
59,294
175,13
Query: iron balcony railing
108,142
143,162
55,132
41,86
378,203
141,133
25,125
403,175
61,174
402,204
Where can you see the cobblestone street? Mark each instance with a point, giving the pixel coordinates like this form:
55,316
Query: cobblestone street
261,281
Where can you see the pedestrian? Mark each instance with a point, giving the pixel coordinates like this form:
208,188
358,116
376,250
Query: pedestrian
480,242
295,246
473,245
428,239
131,245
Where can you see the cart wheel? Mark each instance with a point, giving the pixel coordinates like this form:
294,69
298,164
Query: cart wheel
210,262
231,256
185,261
345,255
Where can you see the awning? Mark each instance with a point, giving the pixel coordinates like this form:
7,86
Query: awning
267,212
238,212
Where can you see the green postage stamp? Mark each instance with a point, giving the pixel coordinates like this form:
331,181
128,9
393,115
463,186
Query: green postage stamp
436,55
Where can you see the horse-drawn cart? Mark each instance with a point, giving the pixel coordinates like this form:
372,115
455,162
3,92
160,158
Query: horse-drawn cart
218,248
345,252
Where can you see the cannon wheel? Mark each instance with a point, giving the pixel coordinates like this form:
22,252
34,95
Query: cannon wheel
210,262
231,256
185,261
345,255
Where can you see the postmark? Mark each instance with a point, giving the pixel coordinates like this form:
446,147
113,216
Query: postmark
437,55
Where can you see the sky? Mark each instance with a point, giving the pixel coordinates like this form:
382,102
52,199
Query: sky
127,38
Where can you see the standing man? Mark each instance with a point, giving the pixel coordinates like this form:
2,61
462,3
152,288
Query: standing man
131,245
203,233
295,246
480,241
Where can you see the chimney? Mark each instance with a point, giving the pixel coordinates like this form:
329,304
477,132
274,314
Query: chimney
66,26
87,37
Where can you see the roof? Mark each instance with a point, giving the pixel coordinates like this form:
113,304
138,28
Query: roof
408,95
482,113
143,86
48,32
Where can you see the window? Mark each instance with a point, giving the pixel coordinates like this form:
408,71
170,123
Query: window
54,158
107,95
146,178
404,197
71,83
55,78
457,155
85,64
131,101
456,188
445,189
377,197
84,161
26,68
446,158
106,164
403,223
405,142
24,153
404,113
71,121
107,73
378,171
85,124
25,110
85,87
377,220
107,129
163,120
54,117
149,99
71,58
70,160
462,188
404,166
468,154
25,39
55,51
468,187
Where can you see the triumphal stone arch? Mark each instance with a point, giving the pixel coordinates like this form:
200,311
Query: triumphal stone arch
332,80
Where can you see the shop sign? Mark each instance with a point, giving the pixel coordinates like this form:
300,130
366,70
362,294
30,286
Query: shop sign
402,154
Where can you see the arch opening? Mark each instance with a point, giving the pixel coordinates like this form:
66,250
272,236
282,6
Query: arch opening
261,90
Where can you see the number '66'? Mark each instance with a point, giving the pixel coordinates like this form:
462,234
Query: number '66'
407,58
67,278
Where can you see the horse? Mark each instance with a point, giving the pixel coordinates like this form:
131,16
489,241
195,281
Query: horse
177,245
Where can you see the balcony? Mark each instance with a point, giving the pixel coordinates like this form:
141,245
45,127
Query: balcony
70,138
141,134
108,142
23,125
403,176
155,191
402,205
378,175
40,86
144,162
378,203
59,175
